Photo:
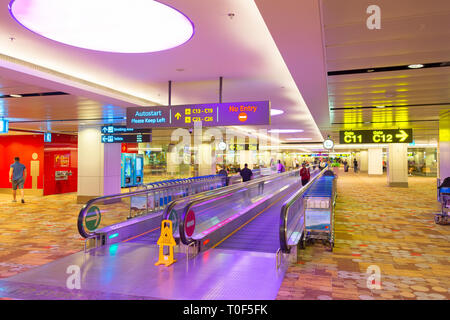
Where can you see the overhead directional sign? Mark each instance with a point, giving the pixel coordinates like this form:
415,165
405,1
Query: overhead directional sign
210,114
129,138
123,129
376,136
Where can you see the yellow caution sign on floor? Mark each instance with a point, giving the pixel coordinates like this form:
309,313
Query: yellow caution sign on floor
166,240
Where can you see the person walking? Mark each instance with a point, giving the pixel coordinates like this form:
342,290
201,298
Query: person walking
355,165
280,167
246,173
17,176
304,174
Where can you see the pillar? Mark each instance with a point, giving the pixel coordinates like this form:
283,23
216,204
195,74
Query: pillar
364,163
245,156
98,165
444,147
397,167
207,163
375,161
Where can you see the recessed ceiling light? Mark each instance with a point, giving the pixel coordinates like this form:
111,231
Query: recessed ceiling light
298,139
285,130
380,106
370,70
132,26
415,66
276,112
15,95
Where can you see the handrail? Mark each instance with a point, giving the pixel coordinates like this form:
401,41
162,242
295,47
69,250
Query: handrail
225,191
285,209
84,209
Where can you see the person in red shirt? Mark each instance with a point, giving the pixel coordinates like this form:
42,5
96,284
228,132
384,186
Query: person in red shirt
304,174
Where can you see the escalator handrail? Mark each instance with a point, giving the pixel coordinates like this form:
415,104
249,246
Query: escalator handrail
225,191
285,210
89,203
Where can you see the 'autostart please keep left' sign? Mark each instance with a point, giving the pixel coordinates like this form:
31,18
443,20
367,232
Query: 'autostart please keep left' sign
210,114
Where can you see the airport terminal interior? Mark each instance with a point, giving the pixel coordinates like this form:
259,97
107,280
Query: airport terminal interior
224,150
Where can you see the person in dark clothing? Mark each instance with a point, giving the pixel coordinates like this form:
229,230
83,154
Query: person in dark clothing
246,173
355,165
304,174
225,173
345,165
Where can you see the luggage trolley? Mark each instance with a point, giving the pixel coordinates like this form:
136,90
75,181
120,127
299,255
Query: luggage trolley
319,202
444,199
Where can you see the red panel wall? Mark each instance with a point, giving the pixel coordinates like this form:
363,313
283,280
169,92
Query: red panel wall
22,147
61,155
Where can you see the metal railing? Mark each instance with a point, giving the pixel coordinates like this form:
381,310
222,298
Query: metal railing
227,203
111,210
292,216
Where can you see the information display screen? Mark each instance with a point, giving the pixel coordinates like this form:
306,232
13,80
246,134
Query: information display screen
210,114
130,138
376,136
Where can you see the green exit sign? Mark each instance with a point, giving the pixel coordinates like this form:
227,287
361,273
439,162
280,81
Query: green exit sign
376,136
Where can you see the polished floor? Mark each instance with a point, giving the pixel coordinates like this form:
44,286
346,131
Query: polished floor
392,228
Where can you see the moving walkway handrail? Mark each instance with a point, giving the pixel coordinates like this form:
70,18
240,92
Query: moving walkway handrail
163,187
284,215
224,192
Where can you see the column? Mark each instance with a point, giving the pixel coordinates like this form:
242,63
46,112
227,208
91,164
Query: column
98,165
397,167
444,147
245,157
375,161
363,163
207,163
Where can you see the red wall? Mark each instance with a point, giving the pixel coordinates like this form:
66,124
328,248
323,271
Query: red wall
22,147
61,155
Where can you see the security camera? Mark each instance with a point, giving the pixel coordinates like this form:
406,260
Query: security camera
190,130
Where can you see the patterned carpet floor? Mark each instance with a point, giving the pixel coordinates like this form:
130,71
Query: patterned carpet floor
392,228
377,225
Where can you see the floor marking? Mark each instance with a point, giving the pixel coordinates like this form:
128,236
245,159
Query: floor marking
141,234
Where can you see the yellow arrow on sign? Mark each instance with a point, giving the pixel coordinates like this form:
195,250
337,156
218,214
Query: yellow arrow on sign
178,115
402,135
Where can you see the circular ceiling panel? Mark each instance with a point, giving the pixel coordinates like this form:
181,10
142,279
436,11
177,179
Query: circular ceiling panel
123,26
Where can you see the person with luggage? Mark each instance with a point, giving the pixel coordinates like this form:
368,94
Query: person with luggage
345,166
280,167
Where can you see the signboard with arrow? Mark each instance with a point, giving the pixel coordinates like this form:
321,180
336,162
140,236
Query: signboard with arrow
376,136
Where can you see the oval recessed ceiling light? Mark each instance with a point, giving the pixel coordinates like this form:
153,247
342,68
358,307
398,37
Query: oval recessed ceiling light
276,112
415,66
132,26
15,95
285,130
380,106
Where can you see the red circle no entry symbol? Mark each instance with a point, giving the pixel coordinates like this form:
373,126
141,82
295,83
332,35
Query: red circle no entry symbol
189,225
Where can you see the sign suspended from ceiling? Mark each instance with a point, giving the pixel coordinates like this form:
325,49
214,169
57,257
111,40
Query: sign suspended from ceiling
376,136
210,114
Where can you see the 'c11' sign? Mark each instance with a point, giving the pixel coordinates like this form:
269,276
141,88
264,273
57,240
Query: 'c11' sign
210,114
376,136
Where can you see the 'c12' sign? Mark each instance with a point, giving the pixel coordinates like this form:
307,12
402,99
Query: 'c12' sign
376,136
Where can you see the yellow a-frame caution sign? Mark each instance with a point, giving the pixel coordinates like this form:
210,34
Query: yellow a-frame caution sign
166,239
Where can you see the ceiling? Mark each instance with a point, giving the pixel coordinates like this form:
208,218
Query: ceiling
241,50
269,50
411,32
